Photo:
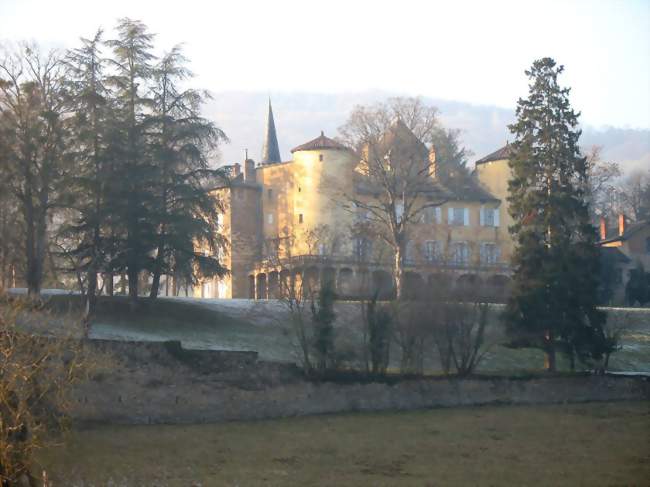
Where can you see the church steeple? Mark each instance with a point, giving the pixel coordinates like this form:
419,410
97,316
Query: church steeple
270,149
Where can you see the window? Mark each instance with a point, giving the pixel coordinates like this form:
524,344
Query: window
321,249
269,218
299,189
362,216
362,248
490,253
647,245
459,253
432,215
432,250
409,256
320,157
270,194
399,211
458,217
489,217
300,218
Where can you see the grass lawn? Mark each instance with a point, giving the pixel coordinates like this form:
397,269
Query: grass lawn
263,326
585,444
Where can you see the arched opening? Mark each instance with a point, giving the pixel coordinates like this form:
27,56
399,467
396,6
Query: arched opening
285,283
382,284
498,288
274,285
311,281
469,286
345,284
296,283
328,277
251,287
261,287
414,287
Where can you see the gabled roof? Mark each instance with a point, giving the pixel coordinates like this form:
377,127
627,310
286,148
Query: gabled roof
320,143
630,230
498,155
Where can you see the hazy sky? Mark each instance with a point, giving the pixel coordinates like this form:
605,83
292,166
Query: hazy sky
473,51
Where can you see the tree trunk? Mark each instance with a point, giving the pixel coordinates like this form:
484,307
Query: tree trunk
549,353
108,279
155,284
398,271
132,275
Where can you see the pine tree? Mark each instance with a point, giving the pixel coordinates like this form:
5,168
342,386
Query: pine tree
553,304
133,171
90,103
185,212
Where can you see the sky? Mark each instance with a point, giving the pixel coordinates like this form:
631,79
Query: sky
471,51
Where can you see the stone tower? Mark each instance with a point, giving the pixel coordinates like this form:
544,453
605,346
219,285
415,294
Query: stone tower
270,149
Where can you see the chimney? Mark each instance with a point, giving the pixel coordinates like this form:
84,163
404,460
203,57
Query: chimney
236,169
432,162
249,171
603,228
621,224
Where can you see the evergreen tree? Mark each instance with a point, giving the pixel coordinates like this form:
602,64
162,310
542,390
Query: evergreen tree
185,212
553,303
133,171
90,103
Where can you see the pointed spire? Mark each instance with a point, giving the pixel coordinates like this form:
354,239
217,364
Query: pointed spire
270,149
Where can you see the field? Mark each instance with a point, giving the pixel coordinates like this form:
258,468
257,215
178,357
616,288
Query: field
263,326
586,444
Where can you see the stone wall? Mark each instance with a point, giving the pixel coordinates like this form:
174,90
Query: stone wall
163,383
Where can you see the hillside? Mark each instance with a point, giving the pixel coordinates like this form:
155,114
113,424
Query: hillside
301,116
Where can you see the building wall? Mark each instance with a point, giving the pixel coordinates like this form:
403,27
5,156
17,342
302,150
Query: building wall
294,198
494,176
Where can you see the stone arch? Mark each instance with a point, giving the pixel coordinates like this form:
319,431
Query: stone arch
328,277
413,285
261,289
311,280
382,283
251,287
285,282
469,284
297,281
498,287
274,285
344,283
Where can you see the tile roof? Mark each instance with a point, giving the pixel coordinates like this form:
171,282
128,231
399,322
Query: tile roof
502,153
319,143
630,230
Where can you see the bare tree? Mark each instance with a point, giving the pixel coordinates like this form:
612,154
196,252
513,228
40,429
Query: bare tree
36,380
394,182
635,195
33,125
601,185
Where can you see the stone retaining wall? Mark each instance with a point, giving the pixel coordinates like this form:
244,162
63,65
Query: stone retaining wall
163,383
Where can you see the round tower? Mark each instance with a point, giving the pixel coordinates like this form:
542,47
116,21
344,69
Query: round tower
322,168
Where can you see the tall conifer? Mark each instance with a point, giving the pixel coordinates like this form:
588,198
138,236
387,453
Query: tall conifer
553,304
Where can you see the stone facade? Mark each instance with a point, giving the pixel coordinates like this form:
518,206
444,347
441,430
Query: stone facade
282,223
